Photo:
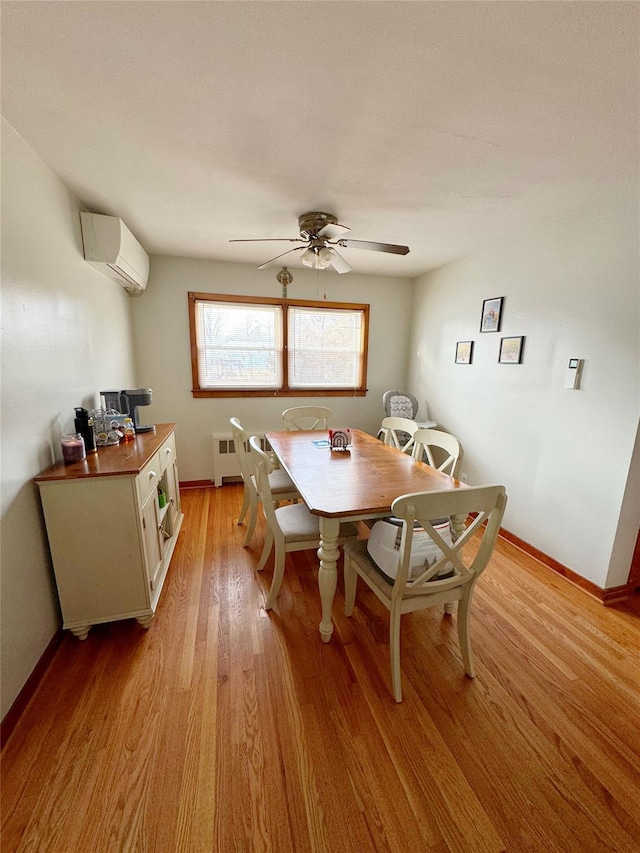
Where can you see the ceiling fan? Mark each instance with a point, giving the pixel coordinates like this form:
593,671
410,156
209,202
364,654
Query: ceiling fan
320,233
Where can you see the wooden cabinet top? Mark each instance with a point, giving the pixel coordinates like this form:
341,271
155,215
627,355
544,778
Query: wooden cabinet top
124,459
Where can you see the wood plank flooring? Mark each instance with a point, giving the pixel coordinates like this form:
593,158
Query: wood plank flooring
226,728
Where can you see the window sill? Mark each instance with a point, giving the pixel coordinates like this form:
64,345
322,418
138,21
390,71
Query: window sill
298,392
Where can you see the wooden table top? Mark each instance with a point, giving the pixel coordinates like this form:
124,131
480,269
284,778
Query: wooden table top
124,459
364,480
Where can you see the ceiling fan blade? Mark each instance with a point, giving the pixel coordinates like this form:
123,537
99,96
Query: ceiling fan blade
277,257
374,247
332,230
268,240
339,264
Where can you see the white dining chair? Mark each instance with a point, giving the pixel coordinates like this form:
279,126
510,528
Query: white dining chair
306,417
398,433
424,440
415,590
289,528
282,489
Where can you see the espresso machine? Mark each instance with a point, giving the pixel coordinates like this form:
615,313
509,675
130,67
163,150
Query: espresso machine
126,402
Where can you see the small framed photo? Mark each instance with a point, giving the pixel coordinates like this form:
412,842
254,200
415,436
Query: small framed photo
511,350
491,314
464,352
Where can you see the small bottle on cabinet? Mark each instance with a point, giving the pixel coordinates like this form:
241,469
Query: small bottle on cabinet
128,430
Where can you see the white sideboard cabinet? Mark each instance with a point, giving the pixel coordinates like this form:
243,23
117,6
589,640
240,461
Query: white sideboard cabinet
111,540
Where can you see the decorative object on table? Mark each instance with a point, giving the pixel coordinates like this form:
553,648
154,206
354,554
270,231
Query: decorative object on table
491,314
511,350
340,439
73,449
464,352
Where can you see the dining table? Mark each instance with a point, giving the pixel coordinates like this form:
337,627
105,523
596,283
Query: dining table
357,483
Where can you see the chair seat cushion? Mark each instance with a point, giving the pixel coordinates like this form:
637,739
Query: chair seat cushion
298,524
281,482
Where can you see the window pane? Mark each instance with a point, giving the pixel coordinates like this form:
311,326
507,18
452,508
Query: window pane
239,346
325,348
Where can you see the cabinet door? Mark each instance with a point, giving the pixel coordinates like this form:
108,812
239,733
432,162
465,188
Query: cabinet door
173,494
152,542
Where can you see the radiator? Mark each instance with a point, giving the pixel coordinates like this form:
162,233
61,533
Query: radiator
225,461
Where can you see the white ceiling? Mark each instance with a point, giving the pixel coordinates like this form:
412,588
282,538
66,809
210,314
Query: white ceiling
445,126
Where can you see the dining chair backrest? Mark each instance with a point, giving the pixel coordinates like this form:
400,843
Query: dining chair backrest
424,440
398,432
306,417
263,466
400,404
241,447
485,503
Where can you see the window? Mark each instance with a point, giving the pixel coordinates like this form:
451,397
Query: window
243,346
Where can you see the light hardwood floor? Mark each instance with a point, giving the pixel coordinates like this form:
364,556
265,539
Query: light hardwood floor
224,728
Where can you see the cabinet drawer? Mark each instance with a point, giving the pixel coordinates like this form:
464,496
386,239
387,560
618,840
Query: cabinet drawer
149,478
167,453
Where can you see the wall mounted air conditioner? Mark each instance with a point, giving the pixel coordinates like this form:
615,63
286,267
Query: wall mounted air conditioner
110,247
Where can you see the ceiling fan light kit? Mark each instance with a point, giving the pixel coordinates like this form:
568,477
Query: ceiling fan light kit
318,259
320,233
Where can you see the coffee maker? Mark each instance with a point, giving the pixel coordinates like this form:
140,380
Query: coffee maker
126,402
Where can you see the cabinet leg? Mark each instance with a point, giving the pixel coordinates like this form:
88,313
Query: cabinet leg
145,621
82,632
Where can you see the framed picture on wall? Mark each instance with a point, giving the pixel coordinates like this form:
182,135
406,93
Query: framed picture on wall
464,352
491,314
511,350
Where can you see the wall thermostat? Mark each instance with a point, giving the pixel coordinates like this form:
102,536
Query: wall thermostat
574,373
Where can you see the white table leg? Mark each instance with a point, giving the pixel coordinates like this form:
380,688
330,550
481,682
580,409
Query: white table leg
328,574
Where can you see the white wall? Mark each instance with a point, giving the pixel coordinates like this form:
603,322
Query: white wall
161,324
66,334
572,288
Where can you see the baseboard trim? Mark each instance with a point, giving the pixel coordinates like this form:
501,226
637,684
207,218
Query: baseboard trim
606,596
196,484
31,685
